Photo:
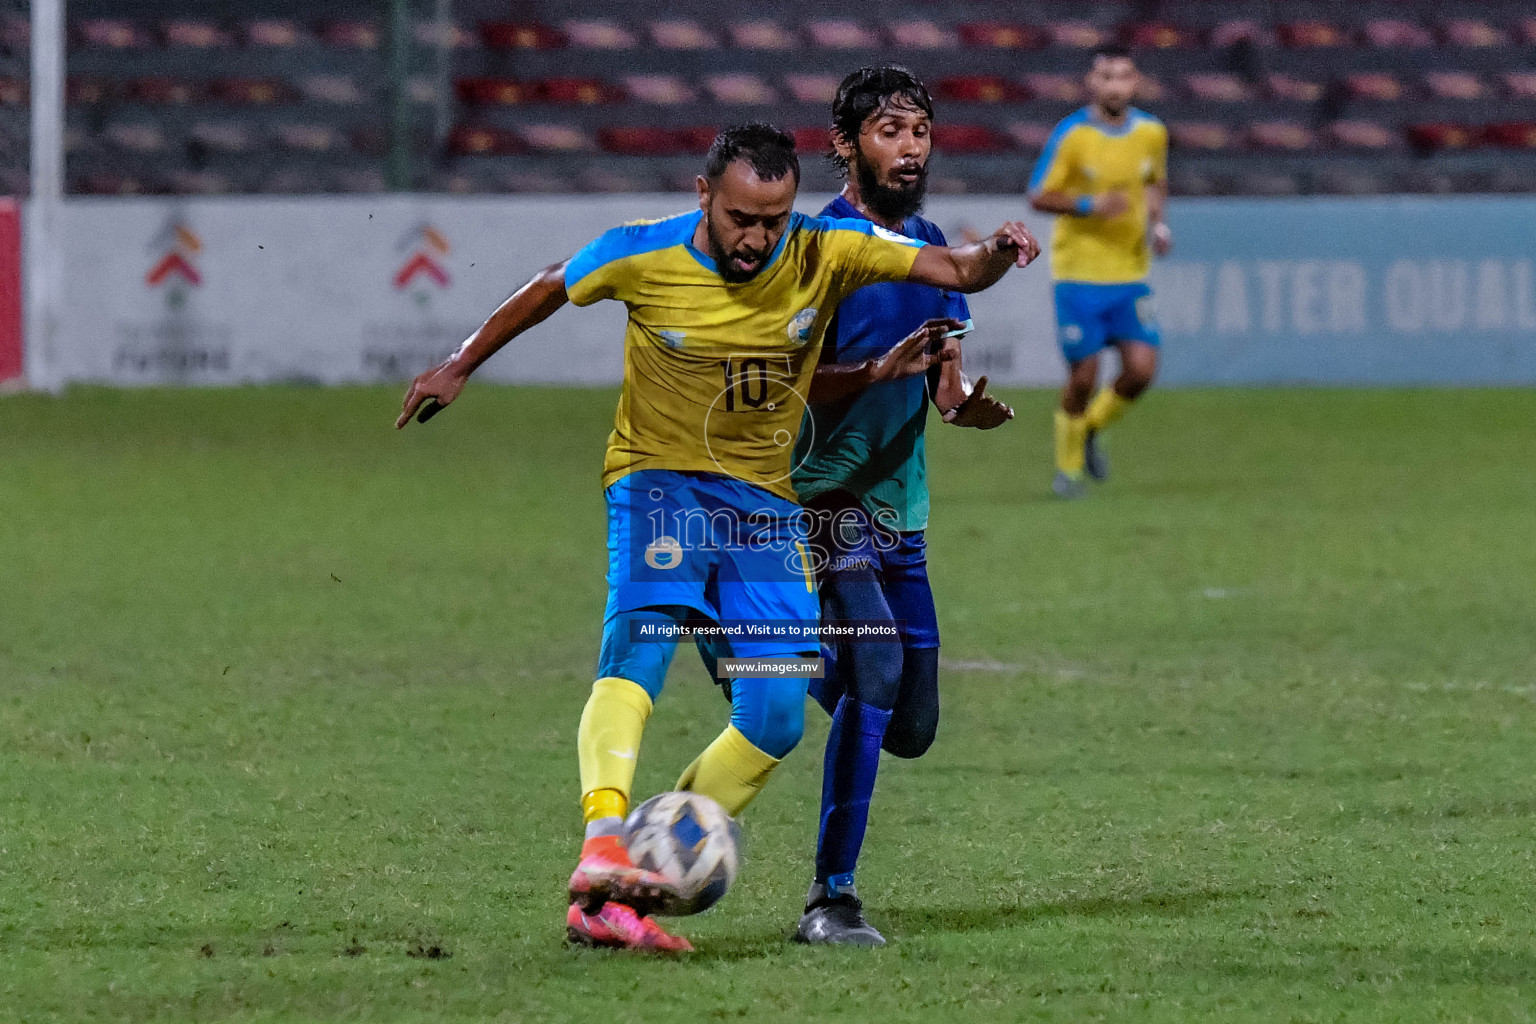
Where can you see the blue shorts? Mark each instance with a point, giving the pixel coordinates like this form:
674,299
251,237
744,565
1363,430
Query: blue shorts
844,537
1091,316
729,550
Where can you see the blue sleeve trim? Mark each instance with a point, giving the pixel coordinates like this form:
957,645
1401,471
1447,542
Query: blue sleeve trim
1052,144
864,227
630,240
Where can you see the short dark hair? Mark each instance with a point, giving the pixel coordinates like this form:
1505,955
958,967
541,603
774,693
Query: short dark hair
770,151
1110,50
868,91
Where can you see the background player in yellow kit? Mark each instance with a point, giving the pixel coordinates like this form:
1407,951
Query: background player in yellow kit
1104,172
727,306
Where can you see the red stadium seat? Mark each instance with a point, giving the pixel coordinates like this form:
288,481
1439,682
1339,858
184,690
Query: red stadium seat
1455,85
274,32
923,35
111,34
979,89
162,91
969,139
697,138
337,89
1160,35
1388,33
812,140
600,35
494,91
1218,87
663,90
14,92
1512,135
682,35
1311,35
580,91
1356,134
348,34
1472,32
1520,85
1525,31
817,89
511,35
1078,34
468,140
1048,86
1001,36
640,141
745,89
762,35
1231,33
1375,85
1281,135
1439,136
250,92
1294,90
839,34
556,138
195,33
1030,136
1201,135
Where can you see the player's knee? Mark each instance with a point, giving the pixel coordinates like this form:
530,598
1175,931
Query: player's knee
873,672
911,737
916,721
770,713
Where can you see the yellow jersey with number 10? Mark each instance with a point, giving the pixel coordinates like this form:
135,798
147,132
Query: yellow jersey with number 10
716,374
1085,157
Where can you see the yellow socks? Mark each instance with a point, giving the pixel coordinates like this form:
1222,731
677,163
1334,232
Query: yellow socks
1071,431
731,771
607,745
1107,407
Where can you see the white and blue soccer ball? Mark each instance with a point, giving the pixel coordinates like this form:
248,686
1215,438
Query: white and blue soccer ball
688,839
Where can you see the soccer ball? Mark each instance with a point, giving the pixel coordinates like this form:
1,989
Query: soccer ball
688,839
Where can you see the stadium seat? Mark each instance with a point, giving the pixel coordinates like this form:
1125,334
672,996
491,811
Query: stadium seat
1077,34
335,89
1525,30
147,139
1030,136
762,35
1390,33
1359,134
1201,135
349,34
494,91
1512,134
600,35
250,92
839,34
279,33
923,35
640,141
978,89
1160,35
428,34
969,139
663,90
1520,85
1047,86
482,140
308,138
15,32
14,92
812,140
1472,32
162,91
1455,85
1311,35
817,89
195,33
1293,90
223,137
579,91
1218,87
1281,135
1374,85
1000,35
1437,137
742,88
510,35
1242,31
1151,89
556,138
682,35
111,34
86,92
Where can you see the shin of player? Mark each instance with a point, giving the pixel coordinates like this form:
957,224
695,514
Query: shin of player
1104,173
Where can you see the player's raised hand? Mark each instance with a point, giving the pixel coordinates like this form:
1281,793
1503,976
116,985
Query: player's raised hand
430,392
1162,239
916,352
1014,235
980,410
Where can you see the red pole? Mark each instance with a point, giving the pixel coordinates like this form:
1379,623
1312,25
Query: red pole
10,289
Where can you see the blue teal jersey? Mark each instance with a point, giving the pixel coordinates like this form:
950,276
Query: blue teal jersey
871,444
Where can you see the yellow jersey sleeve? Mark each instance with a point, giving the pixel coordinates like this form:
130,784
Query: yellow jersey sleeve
608,267
861,253
1157,140
1054,170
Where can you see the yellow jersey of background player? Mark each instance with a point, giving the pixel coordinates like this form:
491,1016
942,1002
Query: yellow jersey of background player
1104,172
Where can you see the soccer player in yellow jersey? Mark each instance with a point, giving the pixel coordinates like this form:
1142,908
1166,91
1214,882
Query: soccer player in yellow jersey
727,308
1104,172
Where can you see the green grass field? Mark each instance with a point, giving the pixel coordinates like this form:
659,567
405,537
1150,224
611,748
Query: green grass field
288,704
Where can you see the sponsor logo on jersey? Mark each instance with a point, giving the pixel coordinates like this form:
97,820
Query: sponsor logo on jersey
799,329
891,236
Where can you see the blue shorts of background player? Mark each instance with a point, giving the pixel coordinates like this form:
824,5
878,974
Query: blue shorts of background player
690,546
1090,317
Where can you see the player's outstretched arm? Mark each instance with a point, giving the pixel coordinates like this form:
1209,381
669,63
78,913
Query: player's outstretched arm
529,305
1105,204
962,403
970,268
914,355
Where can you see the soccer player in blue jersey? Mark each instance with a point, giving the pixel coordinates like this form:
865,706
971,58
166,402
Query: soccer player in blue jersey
860,467
1104,172
727,309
